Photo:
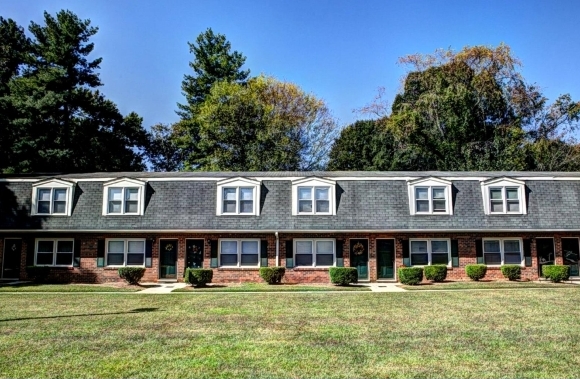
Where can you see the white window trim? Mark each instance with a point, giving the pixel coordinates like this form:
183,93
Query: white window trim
239,251
54,247
125,251
430,183
316,182
429,251
502,250
503,183
124,183
238,183
313,251
52,184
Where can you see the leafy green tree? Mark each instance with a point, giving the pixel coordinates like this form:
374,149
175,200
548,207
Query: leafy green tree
60,122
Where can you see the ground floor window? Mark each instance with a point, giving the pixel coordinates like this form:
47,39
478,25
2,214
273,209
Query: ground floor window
54,252
426,252
500,251
239,252
314,252
125,252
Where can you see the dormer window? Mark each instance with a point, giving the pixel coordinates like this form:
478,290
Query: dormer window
124,197
313,197
52,197
503,196
430,196
238,196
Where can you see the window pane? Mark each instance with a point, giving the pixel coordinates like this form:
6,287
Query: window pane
246,194
229,260
324,247
304,193
132,194
511,246
324,259
115,194
419,259
303,259
135,259
439,259
59,207
491,246
422,193
439,246
136,246
438,193
439,206
43,207
249,260
512,193
64,259
115,259
114,207
246,206
249,247
131,207
59,194
492,258
229,206
322,194
322,206
422,206
305,206
497,206
45,246
44,259
513,206
116,247
419,246
229,247
64,246
229,194
303,247
512,258
495,193
44,194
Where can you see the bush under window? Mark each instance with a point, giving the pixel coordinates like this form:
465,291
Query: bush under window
132,275
436,273
343,276
476,272
511,272
272,275
410,275
198,277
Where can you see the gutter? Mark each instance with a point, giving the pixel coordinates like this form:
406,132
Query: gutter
287,231
277,249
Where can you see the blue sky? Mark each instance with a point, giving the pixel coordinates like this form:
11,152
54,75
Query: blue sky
341,51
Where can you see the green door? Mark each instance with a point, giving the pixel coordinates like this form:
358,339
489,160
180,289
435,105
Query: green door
194,251
168,259
570,254
386,259
359,257
545,251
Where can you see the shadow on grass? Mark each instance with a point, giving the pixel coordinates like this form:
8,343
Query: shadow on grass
136,310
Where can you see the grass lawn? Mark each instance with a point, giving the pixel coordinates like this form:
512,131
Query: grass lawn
33,287
262,287
488,285
486,334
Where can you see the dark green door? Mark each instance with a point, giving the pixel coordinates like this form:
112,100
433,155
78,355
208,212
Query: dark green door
194,251
386,259
359,257
168,259
545,250
11,258
570,254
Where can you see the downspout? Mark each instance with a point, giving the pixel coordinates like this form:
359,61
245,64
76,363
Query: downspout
277,249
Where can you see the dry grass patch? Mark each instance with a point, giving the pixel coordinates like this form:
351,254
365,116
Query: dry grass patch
263,287
467,285
70,287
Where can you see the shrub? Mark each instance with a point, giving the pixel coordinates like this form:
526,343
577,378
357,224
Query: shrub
476,272
556,273
272,275
198,277
343,276
511,272
436,273
132,275
410,275
38,274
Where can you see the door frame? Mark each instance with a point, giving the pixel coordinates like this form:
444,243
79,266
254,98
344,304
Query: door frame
202,252
394,257
368,255
538,255
4,254
562,251
176,257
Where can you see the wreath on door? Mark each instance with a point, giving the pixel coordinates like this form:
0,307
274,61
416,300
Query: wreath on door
168,247
358,249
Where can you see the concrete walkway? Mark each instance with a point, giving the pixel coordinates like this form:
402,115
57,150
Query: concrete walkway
162,287
384,287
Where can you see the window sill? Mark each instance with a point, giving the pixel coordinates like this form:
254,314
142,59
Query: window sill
498,267
50,214
312,268
238,268
118,267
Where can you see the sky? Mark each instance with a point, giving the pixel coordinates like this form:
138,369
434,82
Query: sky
340,51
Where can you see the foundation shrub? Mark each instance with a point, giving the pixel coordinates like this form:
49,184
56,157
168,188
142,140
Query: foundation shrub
272,275
38,274
198,277
410,275
343,276
132,275
511,272
476,272
556,273
436,273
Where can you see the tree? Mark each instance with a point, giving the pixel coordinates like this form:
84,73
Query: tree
59,121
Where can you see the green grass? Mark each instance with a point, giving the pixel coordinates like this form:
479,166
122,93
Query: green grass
33,287
485,334
262,287
488,285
